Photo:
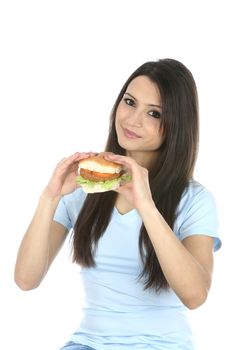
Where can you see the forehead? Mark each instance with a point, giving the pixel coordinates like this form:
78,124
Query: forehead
144,90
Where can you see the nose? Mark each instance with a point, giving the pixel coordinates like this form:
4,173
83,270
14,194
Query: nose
135,118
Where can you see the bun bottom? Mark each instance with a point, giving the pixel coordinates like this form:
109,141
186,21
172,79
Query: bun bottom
98,188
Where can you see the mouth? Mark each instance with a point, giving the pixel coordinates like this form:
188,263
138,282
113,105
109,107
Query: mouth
130,134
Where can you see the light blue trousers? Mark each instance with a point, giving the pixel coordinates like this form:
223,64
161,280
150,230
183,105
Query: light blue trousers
73,346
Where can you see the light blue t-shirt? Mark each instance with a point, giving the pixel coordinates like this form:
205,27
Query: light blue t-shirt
118,313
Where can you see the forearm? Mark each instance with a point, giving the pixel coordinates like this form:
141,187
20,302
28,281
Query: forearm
184,273
33,255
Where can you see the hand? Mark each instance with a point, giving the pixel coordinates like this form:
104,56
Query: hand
63,179
137,191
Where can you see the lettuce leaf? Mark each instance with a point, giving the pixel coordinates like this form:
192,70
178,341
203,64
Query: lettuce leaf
106,184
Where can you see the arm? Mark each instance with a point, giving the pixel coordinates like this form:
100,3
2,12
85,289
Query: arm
187,265
44,237
39,246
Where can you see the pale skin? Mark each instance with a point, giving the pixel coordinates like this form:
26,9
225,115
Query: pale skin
44,237
187,265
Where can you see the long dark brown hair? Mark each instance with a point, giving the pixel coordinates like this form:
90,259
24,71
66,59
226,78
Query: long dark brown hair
168,176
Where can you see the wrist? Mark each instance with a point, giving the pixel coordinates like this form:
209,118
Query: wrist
47,197
147,207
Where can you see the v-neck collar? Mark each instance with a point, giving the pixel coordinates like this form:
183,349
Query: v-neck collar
128,214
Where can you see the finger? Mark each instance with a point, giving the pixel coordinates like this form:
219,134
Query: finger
112,157
71,163
119,157
106,153
78,156
123,160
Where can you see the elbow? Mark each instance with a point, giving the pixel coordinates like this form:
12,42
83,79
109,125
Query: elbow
24,286
24,283
195,300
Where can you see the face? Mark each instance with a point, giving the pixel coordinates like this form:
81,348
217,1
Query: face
138,117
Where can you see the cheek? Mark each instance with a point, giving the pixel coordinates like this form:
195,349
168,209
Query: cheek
120,113
155,132
118,117
161,133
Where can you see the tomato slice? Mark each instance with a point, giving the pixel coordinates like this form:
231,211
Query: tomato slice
96,176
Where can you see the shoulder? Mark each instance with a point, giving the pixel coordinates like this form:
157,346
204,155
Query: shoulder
194,187
69,207
74,201
195,194
197,213
197,201
76,197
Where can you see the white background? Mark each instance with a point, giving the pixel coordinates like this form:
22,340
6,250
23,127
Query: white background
62,64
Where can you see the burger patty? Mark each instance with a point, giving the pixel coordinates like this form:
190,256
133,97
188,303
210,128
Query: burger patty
95,176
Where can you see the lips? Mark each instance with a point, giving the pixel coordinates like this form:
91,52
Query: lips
130,134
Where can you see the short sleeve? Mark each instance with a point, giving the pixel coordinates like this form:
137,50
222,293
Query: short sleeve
69,207
199,216
62,216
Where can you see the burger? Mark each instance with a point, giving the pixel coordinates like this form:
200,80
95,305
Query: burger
96,174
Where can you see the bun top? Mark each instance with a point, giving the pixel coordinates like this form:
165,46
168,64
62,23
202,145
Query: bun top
100,164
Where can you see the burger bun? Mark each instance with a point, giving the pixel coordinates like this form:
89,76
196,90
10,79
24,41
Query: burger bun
96,174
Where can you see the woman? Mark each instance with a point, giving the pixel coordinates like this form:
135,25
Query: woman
146,249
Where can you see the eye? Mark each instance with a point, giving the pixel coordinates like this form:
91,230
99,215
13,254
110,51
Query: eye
155,114
129,101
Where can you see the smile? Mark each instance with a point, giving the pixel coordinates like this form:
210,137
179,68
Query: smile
130,134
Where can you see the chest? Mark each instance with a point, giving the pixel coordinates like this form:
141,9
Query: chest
118,247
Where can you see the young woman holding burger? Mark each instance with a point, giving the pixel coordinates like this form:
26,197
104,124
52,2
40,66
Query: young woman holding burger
146,247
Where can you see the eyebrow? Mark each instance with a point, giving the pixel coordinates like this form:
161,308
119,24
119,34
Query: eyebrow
150,104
